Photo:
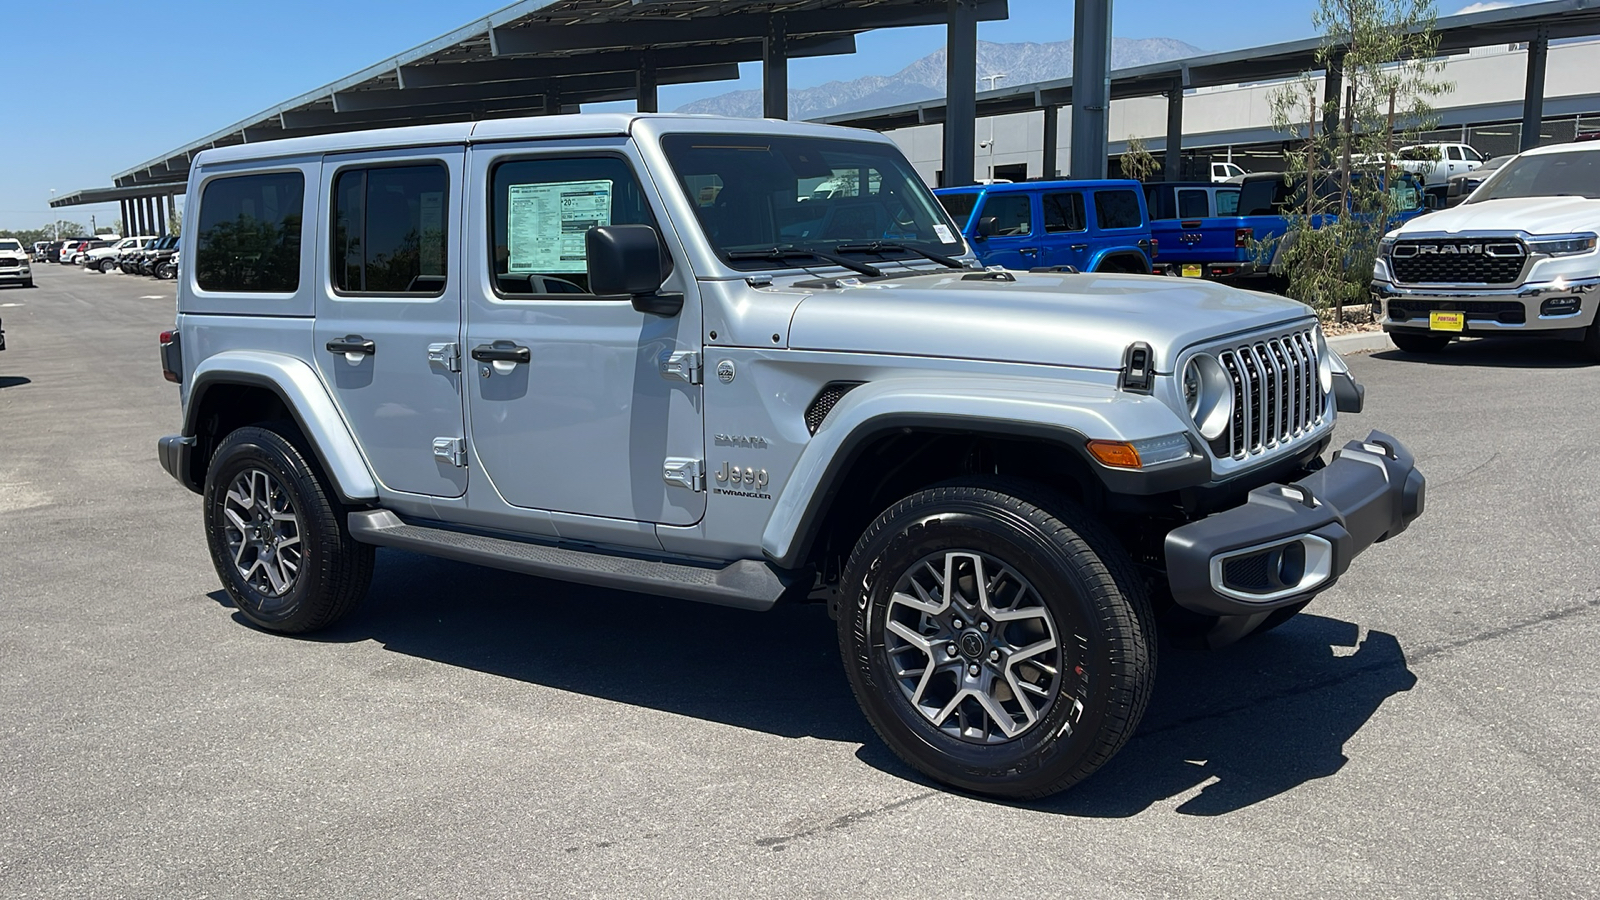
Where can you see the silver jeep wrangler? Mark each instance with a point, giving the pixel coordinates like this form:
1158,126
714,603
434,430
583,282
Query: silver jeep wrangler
651,353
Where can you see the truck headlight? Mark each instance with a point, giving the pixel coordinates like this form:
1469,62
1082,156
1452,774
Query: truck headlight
1566,245
1324,363
1208,392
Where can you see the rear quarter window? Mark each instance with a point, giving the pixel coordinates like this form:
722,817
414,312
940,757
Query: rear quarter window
247,239
1117,209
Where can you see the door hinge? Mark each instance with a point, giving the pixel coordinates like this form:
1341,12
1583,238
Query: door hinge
447,356
683,366
452,450
681,472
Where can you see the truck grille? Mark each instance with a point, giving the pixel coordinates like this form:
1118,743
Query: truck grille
1277,395
9,262
1458,261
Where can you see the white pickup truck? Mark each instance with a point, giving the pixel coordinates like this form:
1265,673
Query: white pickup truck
1433,164
1517,258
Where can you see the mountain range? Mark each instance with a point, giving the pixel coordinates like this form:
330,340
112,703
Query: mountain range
924,79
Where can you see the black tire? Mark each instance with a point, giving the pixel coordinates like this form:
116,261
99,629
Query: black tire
1081,580
333,570
106,265
1419,343
1591,342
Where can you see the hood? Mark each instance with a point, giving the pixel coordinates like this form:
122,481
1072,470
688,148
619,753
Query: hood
1535,215
1086,320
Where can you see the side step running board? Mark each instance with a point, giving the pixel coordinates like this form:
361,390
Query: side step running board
747,584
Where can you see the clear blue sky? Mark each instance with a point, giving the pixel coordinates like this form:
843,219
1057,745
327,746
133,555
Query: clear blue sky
100,87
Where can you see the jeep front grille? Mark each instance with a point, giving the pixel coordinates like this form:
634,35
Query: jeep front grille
1458,261
1277,395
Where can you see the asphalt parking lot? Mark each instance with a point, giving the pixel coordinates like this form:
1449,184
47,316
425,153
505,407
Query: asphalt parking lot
1425,729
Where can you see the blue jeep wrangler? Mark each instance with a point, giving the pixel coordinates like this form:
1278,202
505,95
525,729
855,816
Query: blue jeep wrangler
1092,226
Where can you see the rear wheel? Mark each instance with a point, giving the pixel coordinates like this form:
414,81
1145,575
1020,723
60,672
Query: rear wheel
997,644
277,536
1419,343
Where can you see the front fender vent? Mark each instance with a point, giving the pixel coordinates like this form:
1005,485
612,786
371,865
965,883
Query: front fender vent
825,401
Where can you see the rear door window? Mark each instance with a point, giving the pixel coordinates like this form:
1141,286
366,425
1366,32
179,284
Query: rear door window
1117,209
1013,214
248,236
1064,212
1227,203
389,234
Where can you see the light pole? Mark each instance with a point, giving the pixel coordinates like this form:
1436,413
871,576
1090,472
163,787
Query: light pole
989,144
55,219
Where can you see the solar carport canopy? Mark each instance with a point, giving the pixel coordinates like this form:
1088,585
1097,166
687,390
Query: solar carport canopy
539,57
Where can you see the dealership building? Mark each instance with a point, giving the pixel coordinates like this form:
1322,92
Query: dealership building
1233,123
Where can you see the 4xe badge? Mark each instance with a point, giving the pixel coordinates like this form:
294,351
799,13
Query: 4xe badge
735,476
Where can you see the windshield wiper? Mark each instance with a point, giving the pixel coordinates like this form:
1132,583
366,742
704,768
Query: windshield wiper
779,254
885,247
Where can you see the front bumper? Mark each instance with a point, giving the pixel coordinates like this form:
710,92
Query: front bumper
1288,543
1542,306
16,274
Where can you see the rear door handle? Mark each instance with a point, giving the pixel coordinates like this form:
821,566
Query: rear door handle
502,351
352,343
1080,246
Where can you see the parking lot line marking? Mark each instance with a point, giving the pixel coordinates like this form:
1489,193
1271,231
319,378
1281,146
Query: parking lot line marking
152,297
7,305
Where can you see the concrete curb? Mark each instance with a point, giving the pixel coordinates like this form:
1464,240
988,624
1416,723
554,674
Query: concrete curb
1364,342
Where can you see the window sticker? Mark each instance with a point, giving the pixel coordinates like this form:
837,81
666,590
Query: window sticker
431,222
547,224
943,231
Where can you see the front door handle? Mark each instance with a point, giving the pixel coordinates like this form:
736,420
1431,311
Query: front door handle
502,351
1080,247
352,343
1029,251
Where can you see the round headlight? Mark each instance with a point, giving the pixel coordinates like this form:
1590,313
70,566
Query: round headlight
1324,364
1209,394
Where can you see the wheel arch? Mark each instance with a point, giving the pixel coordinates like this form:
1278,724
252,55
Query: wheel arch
866,455
1120,259
237,388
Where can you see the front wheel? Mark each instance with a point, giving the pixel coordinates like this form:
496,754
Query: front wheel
1419,343
278,538
998,644
106,265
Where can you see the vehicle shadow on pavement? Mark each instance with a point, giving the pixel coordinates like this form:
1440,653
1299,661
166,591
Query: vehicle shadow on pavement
1499,353
1249,722
776,672
14,381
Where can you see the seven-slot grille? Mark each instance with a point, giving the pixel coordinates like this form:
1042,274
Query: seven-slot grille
1277,395
1476,261
10,262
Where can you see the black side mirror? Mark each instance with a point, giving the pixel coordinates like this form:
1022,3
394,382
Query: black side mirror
988,226
1431,201
627,260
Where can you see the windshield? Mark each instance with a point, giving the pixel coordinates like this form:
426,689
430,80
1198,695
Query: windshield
758,192
10,245
1572,174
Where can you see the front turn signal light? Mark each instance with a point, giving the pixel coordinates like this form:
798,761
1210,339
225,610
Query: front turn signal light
1117,454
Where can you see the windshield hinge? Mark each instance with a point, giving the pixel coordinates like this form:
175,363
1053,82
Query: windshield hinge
682,366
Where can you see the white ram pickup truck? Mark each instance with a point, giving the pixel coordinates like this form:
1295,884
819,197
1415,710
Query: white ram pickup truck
1518,258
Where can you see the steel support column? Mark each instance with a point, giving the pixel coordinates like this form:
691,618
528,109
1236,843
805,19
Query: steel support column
142,226
172,209
1533,93
1091,87
1332,93
127,220
1052,138
1174,161
961,93
775,70
646,101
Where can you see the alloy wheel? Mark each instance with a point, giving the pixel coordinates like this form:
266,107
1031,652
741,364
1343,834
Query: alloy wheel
262,529
972,647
